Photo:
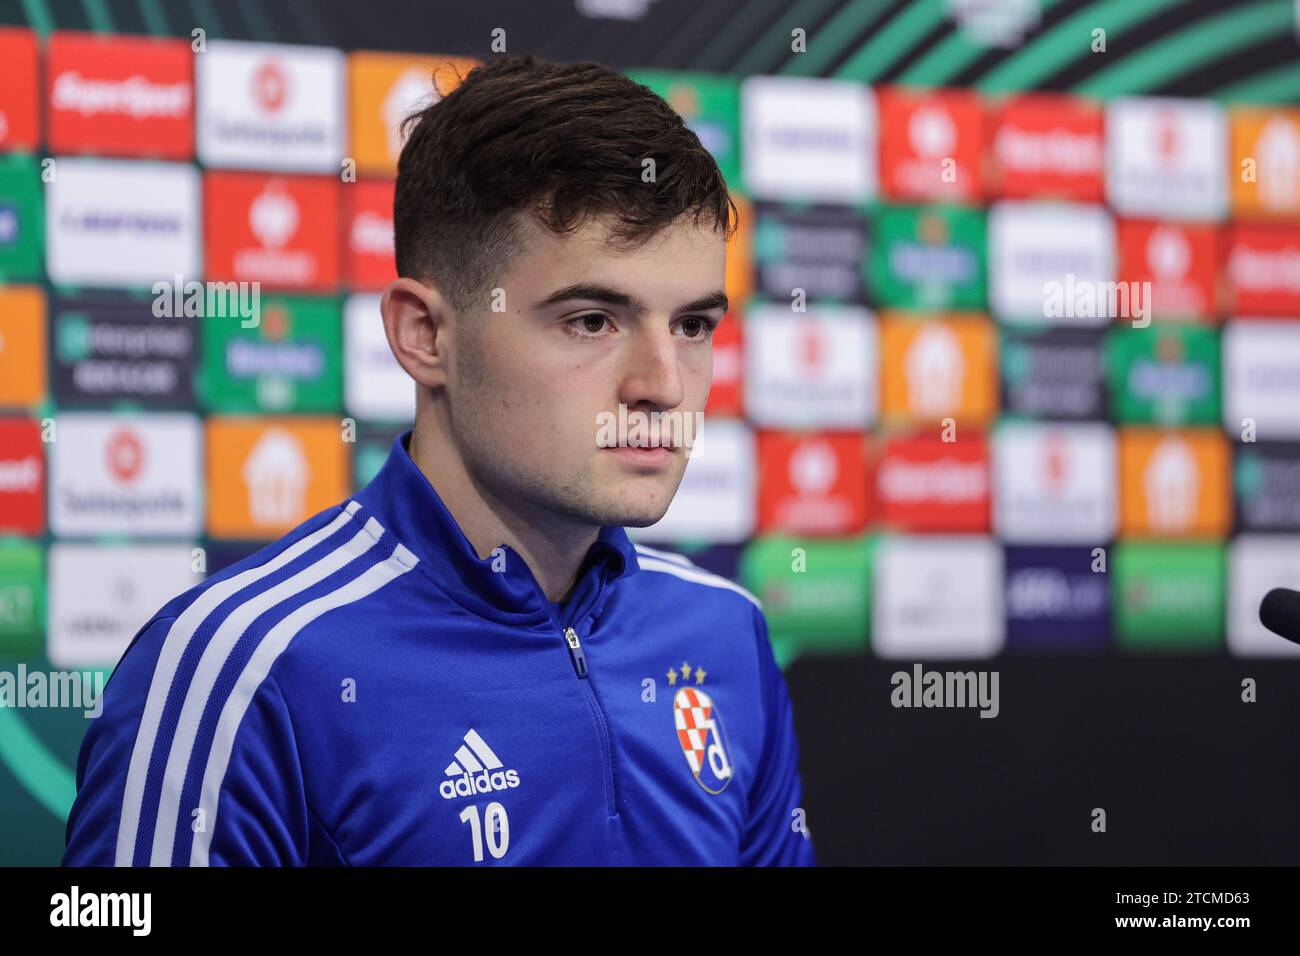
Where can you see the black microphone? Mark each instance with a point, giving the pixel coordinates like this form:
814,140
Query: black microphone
1280,613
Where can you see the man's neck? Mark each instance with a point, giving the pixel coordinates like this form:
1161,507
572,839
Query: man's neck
553,550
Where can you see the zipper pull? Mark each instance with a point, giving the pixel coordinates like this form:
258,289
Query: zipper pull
575,651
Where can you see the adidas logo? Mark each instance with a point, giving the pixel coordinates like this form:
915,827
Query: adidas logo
476,769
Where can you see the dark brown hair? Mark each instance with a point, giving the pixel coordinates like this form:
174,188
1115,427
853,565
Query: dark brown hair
562,142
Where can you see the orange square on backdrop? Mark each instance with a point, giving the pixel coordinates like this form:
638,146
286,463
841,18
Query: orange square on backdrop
938,367
383,89
1174,482
22,346
267,475
740,256
1265,149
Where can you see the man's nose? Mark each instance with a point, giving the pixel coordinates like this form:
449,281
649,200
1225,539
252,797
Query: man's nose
653,372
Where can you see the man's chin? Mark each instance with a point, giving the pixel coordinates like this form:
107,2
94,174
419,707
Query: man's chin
641,521
632,513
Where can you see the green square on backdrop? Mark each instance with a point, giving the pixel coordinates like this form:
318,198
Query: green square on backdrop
22,226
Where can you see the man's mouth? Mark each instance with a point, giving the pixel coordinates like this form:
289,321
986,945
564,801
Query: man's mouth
646,456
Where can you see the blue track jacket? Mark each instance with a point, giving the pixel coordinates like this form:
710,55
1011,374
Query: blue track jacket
368,691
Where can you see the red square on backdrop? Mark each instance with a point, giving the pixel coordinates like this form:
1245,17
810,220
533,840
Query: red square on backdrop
120,96
1178,259
1261,270
728,368
19,95
282,231
368,234
926,484
931,144
22,477
812,483
1045,146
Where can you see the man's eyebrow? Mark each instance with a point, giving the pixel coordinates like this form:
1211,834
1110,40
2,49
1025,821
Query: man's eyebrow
614,297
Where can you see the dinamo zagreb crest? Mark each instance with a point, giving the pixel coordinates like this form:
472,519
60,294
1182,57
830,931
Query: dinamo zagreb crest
699,730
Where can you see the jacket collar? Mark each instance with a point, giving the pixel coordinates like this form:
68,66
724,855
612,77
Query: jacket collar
500,586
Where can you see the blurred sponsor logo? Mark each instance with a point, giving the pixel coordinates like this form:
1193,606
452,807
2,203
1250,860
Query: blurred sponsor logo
108,350
115,474
1166,158
1266,143
1174,483
1047,146
1034,244
817,249
929,258
808,139
937,368
1168,375
270,106
931,144
101,595
1261,378
280,231
267,475
1054,482
816,593
926,484
375,386
19,97
368,222
812,484
1055,600
22,600
937,597
1267,483
121,96
22,477
728,362
121,224
1052,373
384,89
292,361
1263,270
1168,595
810,370
22,345
1176,261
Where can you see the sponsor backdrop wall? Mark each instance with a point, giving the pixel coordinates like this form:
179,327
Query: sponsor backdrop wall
1011,382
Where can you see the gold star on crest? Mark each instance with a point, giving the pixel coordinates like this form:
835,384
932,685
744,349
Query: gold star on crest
672,677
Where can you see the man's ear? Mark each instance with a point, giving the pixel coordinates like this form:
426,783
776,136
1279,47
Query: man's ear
417,323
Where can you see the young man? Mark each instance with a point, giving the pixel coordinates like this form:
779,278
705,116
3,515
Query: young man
469,661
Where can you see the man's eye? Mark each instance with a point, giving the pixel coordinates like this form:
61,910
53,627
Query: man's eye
697,326
592,323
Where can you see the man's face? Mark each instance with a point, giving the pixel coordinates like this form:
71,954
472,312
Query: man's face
589,327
